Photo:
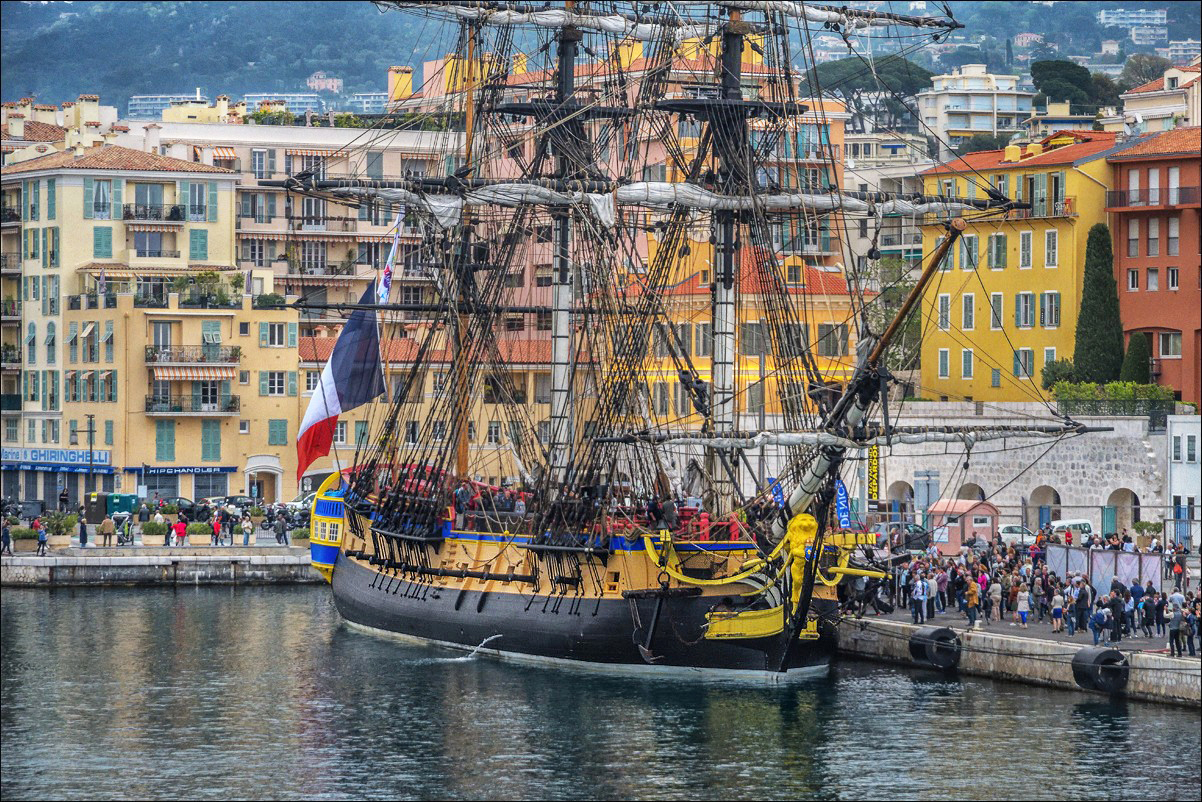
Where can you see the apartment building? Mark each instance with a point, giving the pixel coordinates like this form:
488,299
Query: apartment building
1154,210
1170,101
133,329
319,250
1005,302
151,107
971,100
885,161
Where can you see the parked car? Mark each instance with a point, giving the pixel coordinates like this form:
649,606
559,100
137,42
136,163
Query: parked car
241,502
1080,529
916,538
1016,533
302,502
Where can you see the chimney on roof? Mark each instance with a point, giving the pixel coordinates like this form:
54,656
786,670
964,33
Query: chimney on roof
87,109
151,134
16,125
223,107
1034,149
400,83
1013,153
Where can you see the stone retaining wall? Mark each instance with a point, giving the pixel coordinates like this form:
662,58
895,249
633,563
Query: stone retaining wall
1153,677
177,568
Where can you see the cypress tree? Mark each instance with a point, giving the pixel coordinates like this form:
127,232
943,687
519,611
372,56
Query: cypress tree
1098,355
1135,363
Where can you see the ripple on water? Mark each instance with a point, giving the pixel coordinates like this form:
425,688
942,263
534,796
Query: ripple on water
213,693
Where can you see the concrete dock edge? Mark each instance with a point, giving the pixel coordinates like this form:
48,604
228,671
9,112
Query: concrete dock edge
1153,677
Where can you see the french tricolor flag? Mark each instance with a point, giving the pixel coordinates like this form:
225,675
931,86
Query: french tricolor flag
352,377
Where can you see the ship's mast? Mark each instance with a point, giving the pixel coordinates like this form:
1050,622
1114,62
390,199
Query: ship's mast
562,282
730,143
462,405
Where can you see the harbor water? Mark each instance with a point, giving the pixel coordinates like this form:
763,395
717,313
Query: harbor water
245,692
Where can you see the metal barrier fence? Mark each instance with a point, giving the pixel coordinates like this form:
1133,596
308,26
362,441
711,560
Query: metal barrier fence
1101,566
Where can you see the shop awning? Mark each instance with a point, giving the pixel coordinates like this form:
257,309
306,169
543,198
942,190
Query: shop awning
225,154
87,330
314,152
183,373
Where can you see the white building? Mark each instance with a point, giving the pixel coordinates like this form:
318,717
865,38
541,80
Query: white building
150,107
1126,18
1183,479
971,101
1181,51
295,102
1149,34
885,161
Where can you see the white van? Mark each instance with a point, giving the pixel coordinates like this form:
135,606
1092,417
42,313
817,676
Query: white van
1082,530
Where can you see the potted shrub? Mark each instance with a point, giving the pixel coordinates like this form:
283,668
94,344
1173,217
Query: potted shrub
256,515
151,532
199,534
59,529
170,512
24,538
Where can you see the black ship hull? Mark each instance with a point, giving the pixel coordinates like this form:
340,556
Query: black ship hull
588,632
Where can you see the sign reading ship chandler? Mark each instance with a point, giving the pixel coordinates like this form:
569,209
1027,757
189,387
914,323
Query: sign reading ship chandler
58,459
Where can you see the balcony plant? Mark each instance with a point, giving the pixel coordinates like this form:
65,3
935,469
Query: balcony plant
269,300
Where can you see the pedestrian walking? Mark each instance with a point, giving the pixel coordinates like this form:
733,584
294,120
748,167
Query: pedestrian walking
6,541
83,532
281,529
63,500
217,524
918,599
1057,611
972,600
1023,604
107,528
43,538
247,528
181,531
143,516
1176,622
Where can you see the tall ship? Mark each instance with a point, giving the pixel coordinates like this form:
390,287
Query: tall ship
664,174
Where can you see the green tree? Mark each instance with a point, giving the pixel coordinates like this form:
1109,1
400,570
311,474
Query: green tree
848,79
1058,370
978,142
1098,354
1141,68
1105,90
1136,362
1059,72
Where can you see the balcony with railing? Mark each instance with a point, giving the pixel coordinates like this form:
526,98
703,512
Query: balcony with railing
10,310
91,301
193,354
900,240
175,405
10,263
154,212
10,402
1154,198
323,224
154,253
1065,207
9,215
10,356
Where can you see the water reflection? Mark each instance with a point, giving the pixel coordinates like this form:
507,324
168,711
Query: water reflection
235,692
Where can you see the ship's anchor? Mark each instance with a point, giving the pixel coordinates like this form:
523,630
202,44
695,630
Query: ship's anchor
645,646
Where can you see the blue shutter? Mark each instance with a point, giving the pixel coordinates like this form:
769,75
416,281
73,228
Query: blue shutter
195,396
116,207
264,385
102,242
108,432
54,244
1018,308
89,191
113,387
270,206
50,199
292,382
212,202
292,335
271,161
1017,365
45,247
263,334
183,194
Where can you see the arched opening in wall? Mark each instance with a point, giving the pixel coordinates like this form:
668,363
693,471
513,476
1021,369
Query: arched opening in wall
971,491
901,501
1121,512
1043,506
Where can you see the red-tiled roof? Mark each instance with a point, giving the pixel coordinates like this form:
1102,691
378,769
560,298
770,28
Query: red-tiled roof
1178,141
112,157
37,132
815,282
1088,143
1157,85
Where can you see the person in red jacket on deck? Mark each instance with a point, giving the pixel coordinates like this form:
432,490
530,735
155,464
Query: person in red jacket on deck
181,529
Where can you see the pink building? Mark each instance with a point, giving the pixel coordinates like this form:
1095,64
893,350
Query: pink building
953,521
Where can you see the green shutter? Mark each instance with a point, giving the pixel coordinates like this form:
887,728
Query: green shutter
54,245
292,335
50,199
292,382
108,432
263,330
198,245
360,432
225,392
247,208
209,328
45,247
183,195
1017,366
1001,244
270,206
102,242
212,202
271,161
164,440
1018,300
117,212
113,387
264,385
195,396
89,191
210,441
34,199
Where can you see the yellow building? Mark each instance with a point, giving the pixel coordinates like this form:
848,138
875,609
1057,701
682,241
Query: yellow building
1005,302
132,313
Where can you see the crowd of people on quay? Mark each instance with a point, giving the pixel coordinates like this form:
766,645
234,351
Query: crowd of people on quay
1007,584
